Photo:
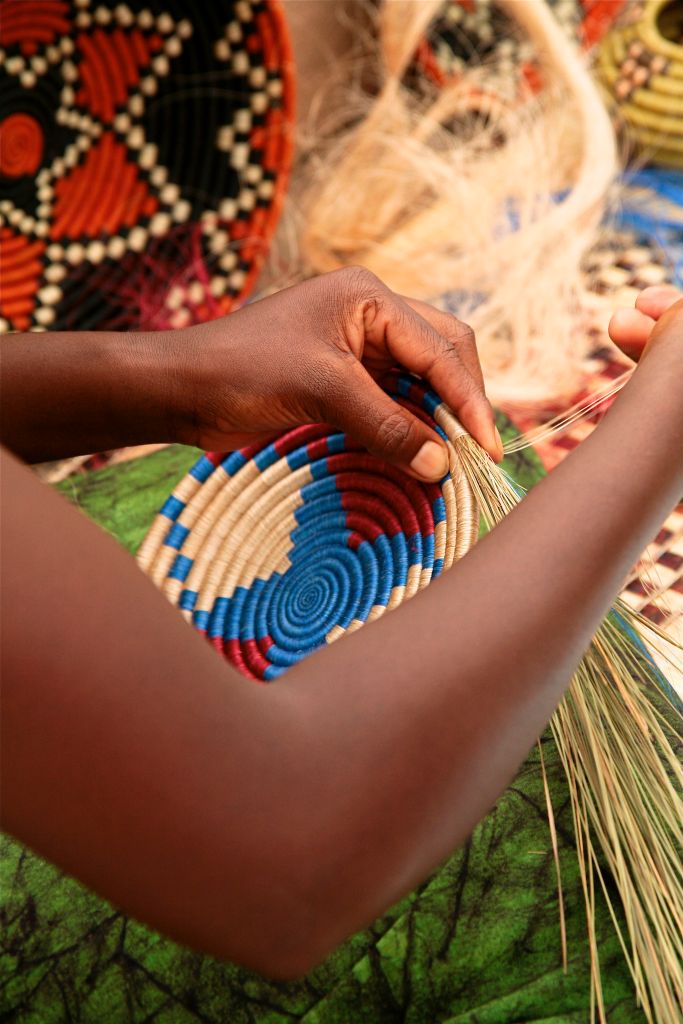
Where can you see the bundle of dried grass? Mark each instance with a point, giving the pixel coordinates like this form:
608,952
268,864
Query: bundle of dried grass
466,189
625,781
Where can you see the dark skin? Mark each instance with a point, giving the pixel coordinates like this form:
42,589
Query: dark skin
240,819
308,354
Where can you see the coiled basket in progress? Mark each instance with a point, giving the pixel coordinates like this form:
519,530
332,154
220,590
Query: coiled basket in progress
274,551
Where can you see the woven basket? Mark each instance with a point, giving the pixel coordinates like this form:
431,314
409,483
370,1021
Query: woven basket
273,552
144,154
471,32
641,65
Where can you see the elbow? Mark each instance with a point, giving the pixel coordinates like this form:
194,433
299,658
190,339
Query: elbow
286,951
292,964
282,924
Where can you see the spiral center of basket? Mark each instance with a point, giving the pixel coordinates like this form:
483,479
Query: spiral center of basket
21,145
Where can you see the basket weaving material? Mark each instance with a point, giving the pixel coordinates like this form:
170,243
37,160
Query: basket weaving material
144,152
274,551
641,65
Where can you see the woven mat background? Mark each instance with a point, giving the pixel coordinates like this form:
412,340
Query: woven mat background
644,246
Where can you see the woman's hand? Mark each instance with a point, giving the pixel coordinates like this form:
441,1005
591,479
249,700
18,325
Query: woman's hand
313,353
658,314
317,352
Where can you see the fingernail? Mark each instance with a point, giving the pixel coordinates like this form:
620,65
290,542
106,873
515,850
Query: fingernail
431,462
498,443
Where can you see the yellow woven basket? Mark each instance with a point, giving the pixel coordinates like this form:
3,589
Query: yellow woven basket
641,65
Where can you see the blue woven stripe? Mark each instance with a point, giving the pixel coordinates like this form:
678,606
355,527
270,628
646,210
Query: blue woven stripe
217,618
233,463
181,568
312,507
188,599
319,531
403,385
428,551
172,507
229,619
431,402
399,550
320,488
320,469
370,572
176,536
201,620
385,561
297,458
202,469
415,549
247,624
262,611
439,510
266,457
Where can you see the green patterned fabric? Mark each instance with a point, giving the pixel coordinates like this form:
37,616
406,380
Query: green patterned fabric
478,943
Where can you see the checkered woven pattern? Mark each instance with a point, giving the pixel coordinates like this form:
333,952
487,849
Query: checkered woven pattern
655,585
618,269
274,552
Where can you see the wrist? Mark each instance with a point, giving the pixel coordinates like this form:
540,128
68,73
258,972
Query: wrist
646,420
153,371
184,367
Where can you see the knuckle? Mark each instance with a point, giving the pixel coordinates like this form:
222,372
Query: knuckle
459,333
358,281
357,293
392,433
360,275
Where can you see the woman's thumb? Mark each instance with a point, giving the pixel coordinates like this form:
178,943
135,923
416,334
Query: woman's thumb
384,427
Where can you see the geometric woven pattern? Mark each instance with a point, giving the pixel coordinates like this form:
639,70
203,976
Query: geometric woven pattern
275,551
655,588
472,32
144,150
617,269
641,66
655,584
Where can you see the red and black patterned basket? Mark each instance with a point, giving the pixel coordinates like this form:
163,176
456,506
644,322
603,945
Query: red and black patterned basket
470,32
144,154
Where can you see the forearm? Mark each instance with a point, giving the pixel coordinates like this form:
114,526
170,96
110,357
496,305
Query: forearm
401,726
67,394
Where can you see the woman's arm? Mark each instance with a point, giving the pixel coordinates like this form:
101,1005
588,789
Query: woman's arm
307,354
264,824
65,394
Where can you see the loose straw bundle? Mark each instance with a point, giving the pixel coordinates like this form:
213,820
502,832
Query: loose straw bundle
466,190
625,781
274,552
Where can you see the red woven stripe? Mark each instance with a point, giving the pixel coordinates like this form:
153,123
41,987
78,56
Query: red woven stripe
253,658
32,21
